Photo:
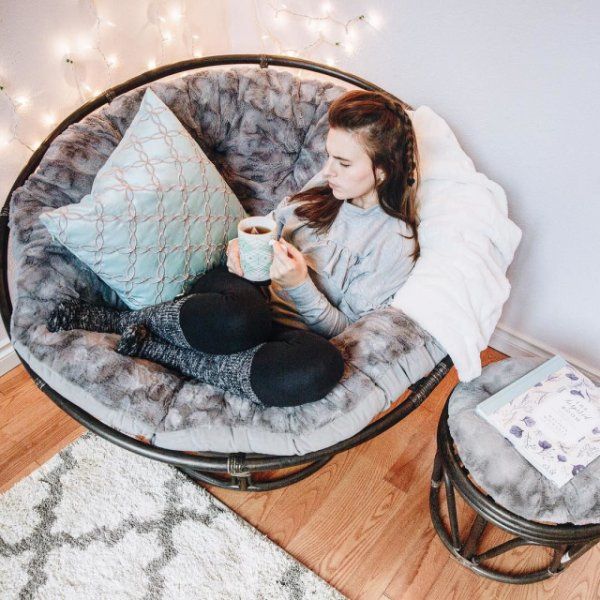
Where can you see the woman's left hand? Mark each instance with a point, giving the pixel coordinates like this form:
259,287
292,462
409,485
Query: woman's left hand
289,266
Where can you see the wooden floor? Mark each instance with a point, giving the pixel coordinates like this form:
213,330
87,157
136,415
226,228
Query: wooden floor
362,522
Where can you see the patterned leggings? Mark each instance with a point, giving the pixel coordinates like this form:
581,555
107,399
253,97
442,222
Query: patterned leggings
221,333
225,313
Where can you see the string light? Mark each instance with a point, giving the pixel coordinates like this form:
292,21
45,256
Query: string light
98,21
319,25
15,104
171,21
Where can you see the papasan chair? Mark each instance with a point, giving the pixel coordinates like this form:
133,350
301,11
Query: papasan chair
213,436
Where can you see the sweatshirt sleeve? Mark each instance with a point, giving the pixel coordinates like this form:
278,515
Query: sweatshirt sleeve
315,309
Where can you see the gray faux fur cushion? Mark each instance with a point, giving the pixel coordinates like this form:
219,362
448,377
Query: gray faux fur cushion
265,131
502,472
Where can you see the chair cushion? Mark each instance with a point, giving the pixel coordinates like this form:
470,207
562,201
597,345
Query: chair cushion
501,471
159,213
265,131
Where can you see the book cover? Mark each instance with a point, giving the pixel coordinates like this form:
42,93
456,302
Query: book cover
551,416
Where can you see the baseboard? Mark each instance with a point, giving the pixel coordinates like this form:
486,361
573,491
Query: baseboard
512,343
8,357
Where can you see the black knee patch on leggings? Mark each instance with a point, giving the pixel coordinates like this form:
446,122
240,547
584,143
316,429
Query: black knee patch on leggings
298,368
225,323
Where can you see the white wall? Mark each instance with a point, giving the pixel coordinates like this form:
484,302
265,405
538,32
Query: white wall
518,82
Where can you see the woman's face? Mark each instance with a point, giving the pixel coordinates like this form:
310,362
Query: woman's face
348,169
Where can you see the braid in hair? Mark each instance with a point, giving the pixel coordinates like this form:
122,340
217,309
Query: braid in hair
409,159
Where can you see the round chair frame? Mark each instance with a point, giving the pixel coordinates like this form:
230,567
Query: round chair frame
204,467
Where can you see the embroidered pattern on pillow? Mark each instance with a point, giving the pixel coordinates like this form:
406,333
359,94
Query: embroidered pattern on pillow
159,213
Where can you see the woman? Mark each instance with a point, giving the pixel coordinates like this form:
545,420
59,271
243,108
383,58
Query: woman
345,251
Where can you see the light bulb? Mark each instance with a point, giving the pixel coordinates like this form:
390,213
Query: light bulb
84,44
63,48
197,53
326,8
375,19
152,64
49,119
22,101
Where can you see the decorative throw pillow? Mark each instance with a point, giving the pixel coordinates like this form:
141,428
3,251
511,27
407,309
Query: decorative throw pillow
159,213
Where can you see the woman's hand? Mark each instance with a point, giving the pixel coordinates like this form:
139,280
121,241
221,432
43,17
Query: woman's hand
233,258
289,266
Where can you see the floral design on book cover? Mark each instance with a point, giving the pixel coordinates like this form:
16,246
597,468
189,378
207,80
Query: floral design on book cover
555,424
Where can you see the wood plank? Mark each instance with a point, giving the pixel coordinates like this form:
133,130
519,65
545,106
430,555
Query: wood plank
362,522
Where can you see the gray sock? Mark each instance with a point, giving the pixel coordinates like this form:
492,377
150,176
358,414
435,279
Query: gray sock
162,320
230,372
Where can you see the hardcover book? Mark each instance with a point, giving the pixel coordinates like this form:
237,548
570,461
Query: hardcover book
551,416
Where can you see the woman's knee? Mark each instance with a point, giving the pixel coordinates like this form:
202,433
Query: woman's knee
224,324
303,367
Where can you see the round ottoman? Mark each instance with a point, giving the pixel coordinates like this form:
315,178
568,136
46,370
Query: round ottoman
504,490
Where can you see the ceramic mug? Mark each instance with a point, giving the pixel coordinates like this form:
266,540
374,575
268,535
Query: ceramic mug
256,251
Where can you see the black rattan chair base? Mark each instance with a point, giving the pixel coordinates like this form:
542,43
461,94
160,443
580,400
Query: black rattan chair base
566,542
244,481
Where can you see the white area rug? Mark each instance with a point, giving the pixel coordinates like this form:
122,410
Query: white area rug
98,522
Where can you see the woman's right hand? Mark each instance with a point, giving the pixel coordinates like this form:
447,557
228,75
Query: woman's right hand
233,258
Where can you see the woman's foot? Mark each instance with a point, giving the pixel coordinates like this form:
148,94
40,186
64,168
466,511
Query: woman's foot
64,316
132,339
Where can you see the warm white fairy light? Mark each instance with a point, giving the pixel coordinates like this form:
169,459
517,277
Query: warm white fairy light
84,45
326,8
98,22
63,48
321,25
170,22
374,19
175,14
15,104
49,119
21,102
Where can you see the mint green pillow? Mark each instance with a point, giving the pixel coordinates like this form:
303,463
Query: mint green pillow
159,213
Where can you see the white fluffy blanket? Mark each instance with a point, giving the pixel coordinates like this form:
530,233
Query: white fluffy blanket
458,285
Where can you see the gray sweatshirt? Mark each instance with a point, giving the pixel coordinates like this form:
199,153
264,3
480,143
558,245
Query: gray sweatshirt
353,269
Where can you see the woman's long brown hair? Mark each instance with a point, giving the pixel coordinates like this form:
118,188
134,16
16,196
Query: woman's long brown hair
387,135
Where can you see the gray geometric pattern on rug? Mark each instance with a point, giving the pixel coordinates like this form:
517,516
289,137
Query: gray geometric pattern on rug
97,522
